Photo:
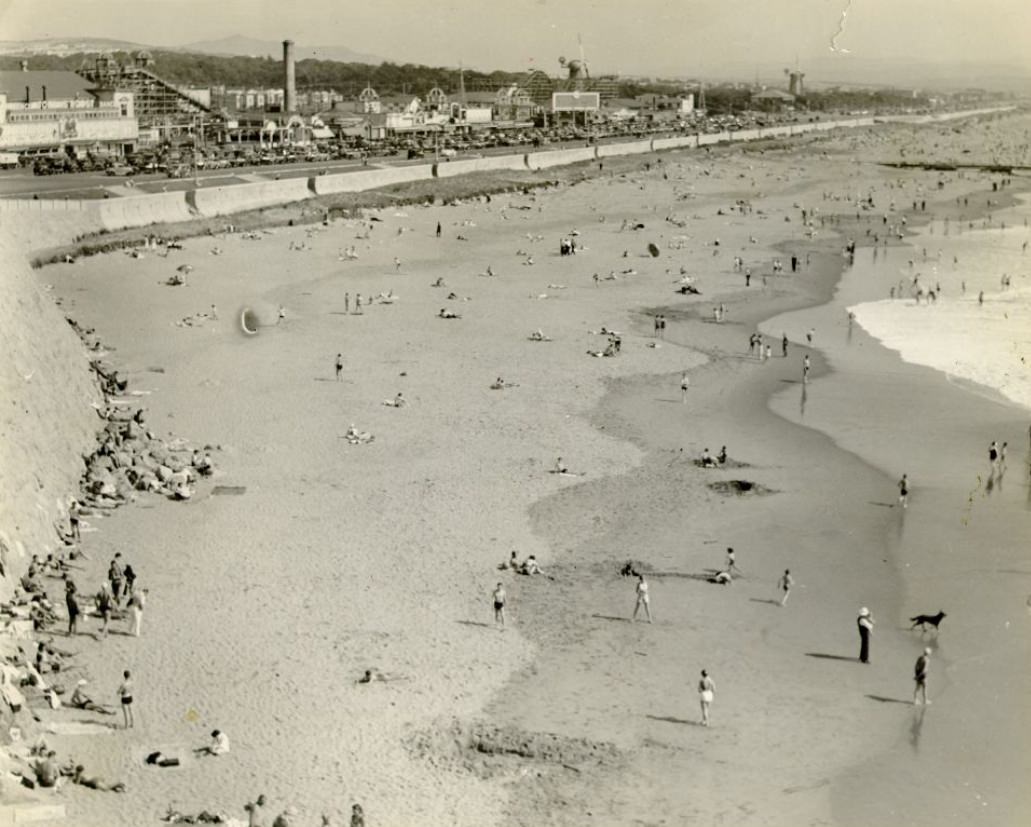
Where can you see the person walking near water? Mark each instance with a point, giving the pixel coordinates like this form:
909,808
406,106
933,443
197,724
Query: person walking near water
706,693
904,491
785,583
865,623
784,346
499,596
339,365
920,670
805,369
685,384
642,599
993,454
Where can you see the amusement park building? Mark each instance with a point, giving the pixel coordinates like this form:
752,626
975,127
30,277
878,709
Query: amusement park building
61,110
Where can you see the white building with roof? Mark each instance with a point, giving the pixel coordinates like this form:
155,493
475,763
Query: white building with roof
61,110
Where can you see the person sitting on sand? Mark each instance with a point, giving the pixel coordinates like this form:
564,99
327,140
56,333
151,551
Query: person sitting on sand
512,562
370,675
46,770
500,384
560,467
95,782
219,745
80,700
531,566
447,314
397,402
439,282
538,336
707,461
721,457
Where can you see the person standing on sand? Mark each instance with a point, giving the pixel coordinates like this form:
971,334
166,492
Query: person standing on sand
993,454
904,491
339,365
865,623
347,302
439,229
685,384
732,563
136,604
499,596
706,693
642,599
72,603
785,583
805,370
784,346
920,670
125,696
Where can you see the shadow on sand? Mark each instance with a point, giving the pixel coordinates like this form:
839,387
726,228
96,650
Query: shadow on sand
612,617
764,600
669,719
883,700
474,623
830,657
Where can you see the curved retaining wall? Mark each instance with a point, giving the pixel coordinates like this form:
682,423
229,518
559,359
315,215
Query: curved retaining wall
241,197
687,141
450,169
632,148
560,157
142,210
371,179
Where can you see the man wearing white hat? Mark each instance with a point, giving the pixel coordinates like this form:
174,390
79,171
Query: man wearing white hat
865,622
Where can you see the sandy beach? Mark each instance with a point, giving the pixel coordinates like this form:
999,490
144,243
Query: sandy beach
307,559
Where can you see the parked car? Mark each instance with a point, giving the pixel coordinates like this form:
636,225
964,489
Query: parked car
120,170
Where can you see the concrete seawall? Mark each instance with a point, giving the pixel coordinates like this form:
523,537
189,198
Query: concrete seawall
450,169
371,179
241,197
559,157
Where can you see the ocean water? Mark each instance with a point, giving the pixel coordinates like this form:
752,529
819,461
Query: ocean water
987,342
923,390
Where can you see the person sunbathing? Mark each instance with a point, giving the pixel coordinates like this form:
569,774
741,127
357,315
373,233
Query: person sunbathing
94,782
397,402
448,314
723,578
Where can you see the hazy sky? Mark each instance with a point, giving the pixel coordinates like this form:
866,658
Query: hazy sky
681,37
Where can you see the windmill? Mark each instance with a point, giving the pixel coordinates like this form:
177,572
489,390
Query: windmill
577,68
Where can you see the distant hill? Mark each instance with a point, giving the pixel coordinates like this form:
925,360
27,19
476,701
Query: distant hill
252,47
63,46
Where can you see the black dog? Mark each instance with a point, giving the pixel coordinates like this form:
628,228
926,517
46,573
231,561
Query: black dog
923,621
